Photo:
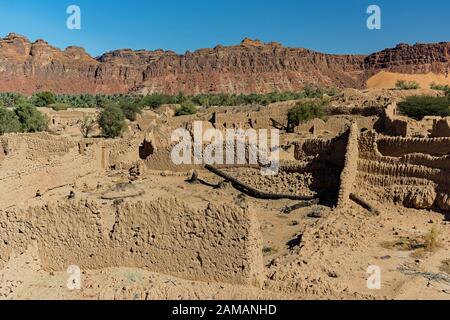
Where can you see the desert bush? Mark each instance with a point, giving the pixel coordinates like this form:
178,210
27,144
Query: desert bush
419,245
186,108
130,110
403,244
313,91
440,87
87,126
407,85
9,122
112,121
303,112
10,100
267,251
418,107
155,100
43,99
431,240
31,119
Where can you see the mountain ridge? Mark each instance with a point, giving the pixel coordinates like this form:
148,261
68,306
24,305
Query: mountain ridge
250,67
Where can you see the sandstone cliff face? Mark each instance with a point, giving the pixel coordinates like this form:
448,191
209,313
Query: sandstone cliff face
417,59
252,66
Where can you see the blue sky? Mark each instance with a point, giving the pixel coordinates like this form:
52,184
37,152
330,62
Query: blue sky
324,25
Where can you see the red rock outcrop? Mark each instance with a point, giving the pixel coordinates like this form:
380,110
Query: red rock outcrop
416,59
252,66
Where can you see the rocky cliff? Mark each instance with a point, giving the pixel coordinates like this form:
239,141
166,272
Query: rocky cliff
252,66
417,59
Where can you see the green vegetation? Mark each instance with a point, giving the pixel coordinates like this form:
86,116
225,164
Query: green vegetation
9,122
407,85
440,87
268,251
420,245
43,99
431,241
112,121
418,107
24,117
10,100
186,108
46,99
303,112
31,119
155,100
130,109
312,91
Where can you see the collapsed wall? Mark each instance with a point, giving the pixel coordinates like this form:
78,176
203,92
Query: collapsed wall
324,159
69,117
215,243
219,243
394,126
271,116
336,124
412,172
32,162
402,126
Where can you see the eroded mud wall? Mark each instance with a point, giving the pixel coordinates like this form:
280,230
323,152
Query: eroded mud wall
396,147
349,173
32,162
217,243
414,172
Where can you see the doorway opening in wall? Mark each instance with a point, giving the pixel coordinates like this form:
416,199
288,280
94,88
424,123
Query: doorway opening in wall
146,149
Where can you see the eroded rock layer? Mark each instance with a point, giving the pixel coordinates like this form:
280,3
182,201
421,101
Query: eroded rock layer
252,66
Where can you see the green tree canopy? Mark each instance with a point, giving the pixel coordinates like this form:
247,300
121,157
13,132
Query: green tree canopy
9,122
31,119
112,121
186,108
43,99
418,107
130,109
303,112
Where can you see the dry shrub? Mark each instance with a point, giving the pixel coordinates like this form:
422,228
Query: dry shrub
420,245
432,239
267,251
403,244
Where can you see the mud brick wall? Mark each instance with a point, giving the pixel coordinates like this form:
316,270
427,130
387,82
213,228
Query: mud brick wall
220,243
32,162
349,173
396,147
414,172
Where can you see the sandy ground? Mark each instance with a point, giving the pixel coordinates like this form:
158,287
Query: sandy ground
317,252
311,253
386,80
